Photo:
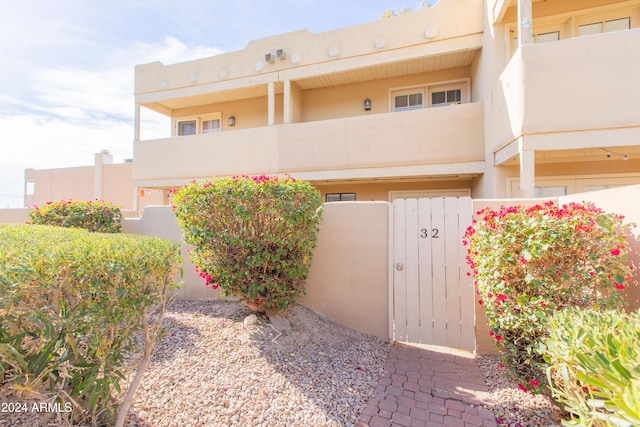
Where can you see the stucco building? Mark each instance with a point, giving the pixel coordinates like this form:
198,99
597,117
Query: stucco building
488,98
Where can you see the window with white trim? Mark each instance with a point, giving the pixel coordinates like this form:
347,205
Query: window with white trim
561,186
604,26
210,123
430,95
340,197
551,36
412,99
187,127
440,96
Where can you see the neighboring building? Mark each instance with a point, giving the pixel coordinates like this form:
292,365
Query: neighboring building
104,180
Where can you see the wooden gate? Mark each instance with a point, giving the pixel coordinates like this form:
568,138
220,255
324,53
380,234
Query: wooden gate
431,297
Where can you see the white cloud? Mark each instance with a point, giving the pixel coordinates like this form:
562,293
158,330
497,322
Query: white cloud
74,112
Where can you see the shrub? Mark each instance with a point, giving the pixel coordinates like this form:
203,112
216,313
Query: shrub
253,237
531,262
594,366
70,304
92,215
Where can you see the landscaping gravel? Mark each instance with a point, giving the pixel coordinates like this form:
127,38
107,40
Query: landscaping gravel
513,407
216,367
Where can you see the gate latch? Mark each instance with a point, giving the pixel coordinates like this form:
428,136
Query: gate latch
399,266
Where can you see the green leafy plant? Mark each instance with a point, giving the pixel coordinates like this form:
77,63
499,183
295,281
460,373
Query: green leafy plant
252,236
93,215
71,303
594,366
531,262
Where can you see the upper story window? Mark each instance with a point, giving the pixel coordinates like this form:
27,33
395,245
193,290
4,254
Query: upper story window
604,26
430,95
443,96
187,127
211,126
210,123
550,36
412,100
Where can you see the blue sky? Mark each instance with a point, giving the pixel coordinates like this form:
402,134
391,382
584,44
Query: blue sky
67,66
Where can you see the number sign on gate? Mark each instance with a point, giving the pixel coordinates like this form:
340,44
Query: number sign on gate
424,233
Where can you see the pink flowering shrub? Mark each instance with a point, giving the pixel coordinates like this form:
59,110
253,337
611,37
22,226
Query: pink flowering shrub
530,262
251,236
93,215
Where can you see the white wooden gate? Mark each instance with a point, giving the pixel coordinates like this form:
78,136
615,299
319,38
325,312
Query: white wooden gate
431,297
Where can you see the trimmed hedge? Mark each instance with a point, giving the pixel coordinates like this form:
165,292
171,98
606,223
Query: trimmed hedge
252,236
70,304
594,371
92,215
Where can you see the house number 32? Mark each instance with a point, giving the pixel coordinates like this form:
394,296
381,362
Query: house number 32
424,233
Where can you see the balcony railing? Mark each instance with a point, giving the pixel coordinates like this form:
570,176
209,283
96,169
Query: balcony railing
435,136
577,84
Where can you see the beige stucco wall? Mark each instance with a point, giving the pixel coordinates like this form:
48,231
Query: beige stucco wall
621,201
78,183
160,221
423,137
348,277
57,184
14,215
451,19
348,281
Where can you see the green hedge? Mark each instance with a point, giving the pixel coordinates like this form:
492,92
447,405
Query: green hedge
252,236
93,215
70,304
594,371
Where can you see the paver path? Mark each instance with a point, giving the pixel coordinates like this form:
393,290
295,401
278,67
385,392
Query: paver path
426,387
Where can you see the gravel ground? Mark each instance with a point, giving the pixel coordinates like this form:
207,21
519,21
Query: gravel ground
513,407
210,369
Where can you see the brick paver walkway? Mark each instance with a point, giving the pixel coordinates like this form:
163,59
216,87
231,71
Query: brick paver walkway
424,387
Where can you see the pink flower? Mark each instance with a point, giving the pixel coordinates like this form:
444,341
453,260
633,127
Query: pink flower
534,383
618,286
523,260
615,251
523,388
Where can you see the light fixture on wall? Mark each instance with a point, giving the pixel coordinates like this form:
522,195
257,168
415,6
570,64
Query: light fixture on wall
367,104
231,121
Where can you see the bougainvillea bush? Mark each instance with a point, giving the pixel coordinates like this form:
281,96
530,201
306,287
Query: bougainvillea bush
530,262
93,215
594,366
252,236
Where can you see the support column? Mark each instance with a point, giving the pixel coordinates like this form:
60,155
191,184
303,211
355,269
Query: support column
136,123
525,22
287,101
527,170
271,100
102,158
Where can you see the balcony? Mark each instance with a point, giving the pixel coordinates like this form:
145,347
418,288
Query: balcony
578,92
428,142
